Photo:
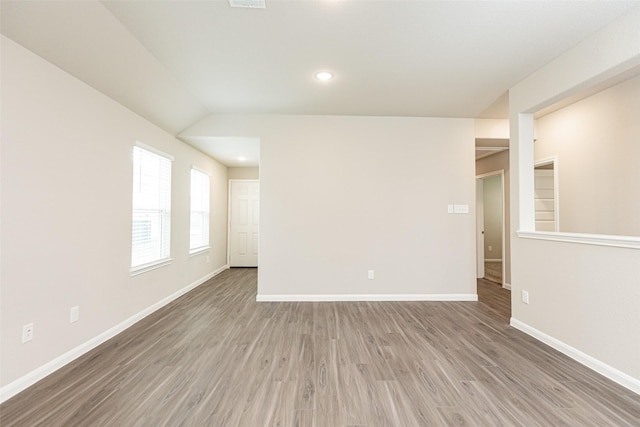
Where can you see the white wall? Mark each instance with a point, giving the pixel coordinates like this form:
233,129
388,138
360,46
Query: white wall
596,143
491,128
66,215
586,299
342,195
244,173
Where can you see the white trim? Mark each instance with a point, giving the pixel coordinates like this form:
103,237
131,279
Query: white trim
497,149
524,182
602,368
200,250
50,367
479,235
586,239
367,297
149,266
153,150
490,174
507,286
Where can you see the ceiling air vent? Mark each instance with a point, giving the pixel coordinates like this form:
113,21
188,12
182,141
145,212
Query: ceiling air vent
249,4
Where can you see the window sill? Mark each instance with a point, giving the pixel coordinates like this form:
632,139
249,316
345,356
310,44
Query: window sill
150,266
198,251
586,239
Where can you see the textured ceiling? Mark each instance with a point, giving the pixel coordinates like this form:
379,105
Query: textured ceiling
174,62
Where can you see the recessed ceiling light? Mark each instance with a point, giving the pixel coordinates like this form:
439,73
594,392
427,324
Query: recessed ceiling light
242,159
324,75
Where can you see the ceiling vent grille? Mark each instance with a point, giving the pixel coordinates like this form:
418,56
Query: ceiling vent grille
249,4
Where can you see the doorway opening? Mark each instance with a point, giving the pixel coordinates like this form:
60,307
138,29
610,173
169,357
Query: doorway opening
492,288
490,227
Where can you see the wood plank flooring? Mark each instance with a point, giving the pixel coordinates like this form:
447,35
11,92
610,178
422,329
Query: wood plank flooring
495,297
215,357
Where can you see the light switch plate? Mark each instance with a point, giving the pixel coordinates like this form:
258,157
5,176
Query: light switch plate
461,209
74,314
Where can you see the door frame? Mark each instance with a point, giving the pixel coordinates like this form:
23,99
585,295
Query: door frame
229,218
480,227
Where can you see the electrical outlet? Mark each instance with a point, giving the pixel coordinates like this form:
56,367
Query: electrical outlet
74,314
371,274
27,332
490,248
208,259
525,297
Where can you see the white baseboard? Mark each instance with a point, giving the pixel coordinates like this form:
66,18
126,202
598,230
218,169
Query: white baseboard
15,387
365,297
493,260
602,368
506,285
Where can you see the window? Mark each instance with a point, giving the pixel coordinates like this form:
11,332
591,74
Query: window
151,225
199,231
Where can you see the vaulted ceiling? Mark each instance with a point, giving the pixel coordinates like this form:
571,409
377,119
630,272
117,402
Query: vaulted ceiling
174,62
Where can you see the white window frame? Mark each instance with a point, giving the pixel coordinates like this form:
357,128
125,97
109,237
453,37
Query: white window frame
203,200
160,229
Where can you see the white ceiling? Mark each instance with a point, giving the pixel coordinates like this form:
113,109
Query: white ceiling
237,152
174,62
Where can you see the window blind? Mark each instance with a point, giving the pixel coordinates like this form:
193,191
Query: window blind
199,230
151,229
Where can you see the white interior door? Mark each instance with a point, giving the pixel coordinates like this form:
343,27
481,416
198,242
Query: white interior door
244,223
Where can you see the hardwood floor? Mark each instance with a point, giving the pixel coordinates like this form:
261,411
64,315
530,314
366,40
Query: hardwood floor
495,297
215,357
